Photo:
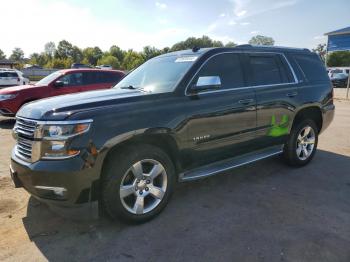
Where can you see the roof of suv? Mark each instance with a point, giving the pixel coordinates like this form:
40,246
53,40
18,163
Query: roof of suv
202,51
64,71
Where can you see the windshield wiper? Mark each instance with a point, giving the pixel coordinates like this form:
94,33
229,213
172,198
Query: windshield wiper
131,87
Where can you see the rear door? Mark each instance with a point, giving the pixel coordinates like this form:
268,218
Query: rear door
99,80
222,122
276,96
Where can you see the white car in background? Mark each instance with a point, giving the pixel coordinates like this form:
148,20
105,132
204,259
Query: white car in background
334,71
106,67
12,77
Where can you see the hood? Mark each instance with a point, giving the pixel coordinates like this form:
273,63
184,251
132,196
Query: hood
60,107
15,89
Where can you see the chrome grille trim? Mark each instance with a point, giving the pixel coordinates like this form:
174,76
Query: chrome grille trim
25,127
25,132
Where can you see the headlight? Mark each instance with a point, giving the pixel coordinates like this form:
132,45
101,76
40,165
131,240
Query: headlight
56,138
62,132
7,97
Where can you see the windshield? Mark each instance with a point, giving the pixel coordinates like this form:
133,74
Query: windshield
158,75
47,80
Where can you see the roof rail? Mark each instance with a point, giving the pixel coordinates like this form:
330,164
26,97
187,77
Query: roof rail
244,45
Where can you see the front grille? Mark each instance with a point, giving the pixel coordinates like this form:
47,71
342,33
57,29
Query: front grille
24,148
25,130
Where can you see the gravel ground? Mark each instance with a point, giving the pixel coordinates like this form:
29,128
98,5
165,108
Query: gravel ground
262,212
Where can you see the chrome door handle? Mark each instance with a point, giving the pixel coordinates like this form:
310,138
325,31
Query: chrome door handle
245,101
292,94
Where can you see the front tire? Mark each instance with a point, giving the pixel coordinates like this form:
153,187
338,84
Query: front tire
302,143
137,183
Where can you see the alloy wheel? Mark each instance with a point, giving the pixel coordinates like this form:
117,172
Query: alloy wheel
143,186
305,143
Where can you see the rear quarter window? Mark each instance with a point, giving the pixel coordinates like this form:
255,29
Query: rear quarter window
312,67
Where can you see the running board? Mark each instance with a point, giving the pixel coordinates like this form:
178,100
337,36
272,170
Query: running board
221,166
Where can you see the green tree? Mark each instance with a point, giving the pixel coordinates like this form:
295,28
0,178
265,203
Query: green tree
64,50
165,50
39,59
2,55
60,63
261,40
132,59
17,54
321,50
230,44
192,42
108,59
150,52
77,55
117,52
50,49
92,55
339,58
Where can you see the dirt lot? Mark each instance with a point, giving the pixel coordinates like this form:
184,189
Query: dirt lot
263,212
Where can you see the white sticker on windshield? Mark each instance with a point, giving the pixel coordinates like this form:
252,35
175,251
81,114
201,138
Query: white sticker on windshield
186,59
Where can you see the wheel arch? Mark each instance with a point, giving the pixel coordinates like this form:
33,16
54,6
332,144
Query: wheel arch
313,112
161,138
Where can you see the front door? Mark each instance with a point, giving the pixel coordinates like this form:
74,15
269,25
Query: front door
222,121
72,83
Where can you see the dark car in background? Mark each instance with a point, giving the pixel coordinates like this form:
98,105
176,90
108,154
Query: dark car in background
79,65
180,116
339,80
58,83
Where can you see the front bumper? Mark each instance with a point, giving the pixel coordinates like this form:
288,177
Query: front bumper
66,186
6,112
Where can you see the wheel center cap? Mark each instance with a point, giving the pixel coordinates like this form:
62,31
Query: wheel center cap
142,184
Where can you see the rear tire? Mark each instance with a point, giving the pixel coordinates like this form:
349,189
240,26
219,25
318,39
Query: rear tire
302,143
137,183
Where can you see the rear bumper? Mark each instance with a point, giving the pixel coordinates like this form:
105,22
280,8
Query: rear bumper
340,83
327,115
65,185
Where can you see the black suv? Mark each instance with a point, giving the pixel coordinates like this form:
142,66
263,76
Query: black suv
178,117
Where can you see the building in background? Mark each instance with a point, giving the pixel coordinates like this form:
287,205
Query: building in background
5,63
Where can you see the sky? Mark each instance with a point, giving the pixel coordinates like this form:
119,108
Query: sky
133,24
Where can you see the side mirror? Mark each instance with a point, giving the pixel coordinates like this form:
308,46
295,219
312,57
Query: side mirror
58,84
206,83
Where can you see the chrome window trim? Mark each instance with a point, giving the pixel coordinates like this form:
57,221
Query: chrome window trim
296,81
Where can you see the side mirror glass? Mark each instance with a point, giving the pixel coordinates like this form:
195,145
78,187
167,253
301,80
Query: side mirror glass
207,82
58,84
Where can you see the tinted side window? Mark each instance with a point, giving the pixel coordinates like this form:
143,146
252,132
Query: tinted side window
116,77
90,78
75,79
8,74
108,77
227,67
268,70
312,67
105,77
12,74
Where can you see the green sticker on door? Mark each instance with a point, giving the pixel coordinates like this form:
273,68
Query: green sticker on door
279,129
